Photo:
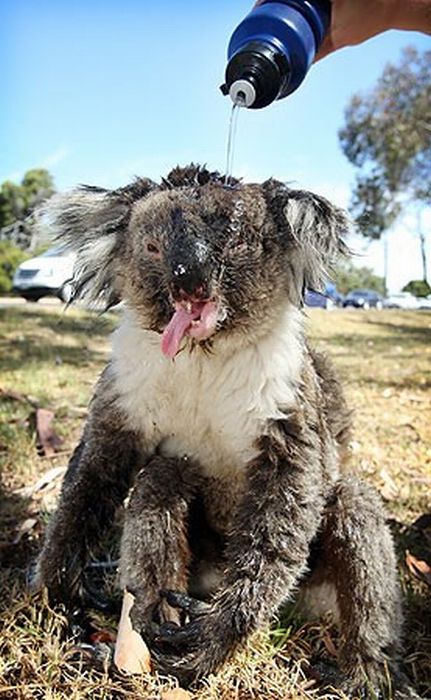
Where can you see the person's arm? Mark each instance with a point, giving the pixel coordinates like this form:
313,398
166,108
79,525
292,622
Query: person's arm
355,21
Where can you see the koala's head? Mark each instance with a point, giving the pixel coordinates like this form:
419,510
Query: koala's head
194,258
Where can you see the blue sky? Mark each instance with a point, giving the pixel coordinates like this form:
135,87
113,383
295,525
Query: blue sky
98,92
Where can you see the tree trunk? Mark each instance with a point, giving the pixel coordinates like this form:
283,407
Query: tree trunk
422,243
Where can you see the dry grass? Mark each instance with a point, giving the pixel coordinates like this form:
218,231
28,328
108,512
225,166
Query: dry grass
52,360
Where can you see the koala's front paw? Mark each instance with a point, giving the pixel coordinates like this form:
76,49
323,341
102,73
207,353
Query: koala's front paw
193,649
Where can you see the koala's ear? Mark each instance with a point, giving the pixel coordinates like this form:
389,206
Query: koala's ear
93,222
314,225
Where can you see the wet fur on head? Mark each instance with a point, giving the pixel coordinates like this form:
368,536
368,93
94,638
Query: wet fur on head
269,221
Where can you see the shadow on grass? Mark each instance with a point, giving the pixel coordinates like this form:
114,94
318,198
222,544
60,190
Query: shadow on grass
46,339
17,549
406,337
90,325
415,538
417,382
87,323
405,327
31,350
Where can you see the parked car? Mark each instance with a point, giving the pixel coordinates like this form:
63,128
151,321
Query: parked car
402,300
317,299
328,299
332,292
425,302
48,274
363,299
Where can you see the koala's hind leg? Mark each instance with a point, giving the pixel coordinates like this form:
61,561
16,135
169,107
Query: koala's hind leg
359,558
155,552
96,483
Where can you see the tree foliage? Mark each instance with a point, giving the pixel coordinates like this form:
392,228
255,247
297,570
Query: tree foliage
10,258
420,288
387,137
18,202
348,276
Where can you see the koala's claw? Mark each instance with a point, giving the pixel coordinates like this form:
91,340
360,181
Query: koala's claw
178,637
177,649
185,669
193,607
190,650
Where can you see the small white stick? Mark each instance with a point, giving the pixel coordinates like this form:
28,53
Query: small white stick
131,653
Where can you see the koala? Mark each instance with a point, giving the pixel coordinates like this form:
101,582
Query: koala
225,430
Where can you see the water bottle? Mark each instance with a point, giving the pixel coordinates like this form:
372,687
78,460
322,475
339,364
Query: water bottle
270,52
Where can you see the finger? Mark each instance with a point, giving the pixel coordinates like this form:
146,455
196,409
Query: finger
172,634
150,631
327,47
184,602
182,668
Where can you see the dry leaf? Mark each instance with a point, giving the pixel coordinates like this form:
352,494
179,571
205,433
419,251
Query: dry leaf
48,440
419,568
45,483
131,653
25,527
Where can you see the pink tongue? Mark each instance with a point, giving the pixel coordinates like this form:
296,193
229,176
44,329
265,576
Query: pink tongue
181,322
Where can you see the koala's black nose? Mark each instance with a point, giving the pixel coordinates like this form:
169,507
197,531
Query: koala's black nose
189,266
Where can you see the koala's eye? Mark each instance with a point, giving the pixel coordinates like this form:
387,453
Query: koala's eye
153,249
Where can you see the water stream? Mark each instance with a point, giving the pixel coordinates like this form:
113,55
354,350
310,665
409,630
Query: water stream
233,121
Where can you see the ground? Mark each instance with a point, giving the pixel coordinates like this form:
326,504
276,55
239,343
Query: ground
51,359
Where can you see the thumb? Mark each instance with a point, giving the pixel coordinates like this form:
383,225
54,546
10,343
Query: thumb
326,47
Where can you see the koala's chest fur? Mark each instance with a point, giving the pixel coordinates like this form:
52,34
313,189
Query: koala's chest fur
208,407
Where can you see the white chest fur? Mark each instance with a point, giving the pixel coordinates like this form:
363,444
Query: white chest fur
210,407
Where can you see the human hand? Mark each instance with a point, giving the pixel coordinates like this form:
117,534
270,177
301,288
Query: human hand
355,21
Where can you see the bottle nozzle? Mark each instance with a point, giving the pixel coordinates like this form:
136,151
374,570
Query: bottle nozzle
253,76
242,93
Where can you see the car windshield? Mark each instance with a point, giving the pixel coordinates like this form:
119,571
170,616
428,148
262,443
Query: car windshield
54,252
359,293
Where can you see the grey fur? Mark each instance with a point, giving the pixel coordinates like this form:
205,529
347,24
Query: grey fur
257,247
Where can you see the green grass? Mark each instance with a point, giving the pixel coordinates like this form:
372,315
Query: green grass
52,360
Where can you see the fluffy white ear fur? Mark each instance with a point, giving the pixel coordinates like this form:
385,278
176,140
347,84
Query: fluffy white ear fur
318,227
86,221
92,221
315,226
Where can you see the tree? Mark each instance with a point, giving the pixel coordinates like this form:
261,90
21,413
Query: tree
348,276
387,137
10,258
417,287
12,203
17,204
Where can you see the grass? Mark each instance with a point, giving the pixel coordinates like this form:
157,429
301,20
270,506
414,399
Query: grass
51,359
